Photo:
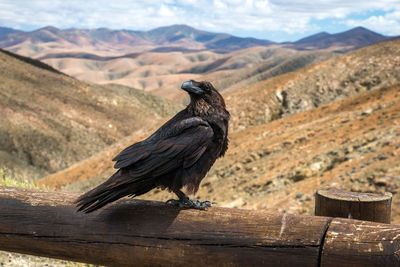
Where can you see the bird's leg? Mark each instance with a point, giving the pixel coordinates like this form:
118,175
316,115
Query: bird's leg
187,203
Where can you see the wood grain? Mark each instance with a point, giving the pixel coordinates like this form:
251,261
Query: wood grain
335,202
361,243
144,233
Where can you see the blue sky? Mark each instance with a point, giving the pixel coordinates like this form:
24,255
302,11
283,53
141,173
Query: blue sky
275,20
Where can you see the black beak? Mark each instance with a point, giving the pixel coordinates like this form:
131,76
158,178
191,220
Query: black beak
190,87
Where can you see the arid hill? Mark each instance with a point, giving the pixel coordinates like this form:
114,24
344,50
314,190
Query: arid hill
50,120
170,38
282,149
341,77
5,31
344,41
162,73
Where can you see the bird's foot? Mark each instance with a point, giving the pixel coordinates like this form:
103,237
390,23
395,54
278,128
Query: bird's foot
190,203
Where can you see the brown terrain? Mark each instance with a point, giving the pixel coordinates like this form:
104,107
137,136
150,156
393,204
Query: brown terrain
52,120
335,123
161,73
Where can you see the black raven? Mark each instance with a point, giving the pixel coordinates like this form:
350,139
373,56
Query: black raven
178,154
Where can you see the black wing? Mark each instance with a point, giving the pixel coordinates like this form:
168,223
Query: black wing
174,145
169,148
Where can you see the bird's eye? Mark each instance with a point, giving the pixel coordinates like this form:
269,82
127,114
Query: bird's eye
207,87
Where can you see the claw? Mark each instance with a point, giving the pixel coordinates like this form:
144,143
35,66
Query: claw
173,202
190,204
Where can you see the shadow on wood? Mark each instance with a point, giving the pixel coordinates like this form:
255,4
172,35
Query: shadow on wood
136,232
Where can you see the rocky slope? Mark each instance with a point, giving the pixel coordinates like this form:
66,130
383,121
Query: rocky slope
352,144
52,120
369,68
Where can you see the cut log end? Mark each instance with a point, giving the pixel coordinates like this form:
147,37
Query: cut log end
334,202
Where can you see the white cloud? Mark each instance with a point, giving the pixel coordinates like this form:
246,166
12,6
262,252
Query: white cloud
290,16
388,23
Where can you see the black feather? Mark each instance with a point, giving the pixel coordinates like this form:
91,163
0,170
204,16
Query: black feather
178,154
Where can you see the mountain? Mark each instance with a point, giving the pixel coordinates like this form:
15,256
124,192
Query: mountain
6,31
50,120
344,41
334,123
103,39
160,59
313,38
174,33
183,38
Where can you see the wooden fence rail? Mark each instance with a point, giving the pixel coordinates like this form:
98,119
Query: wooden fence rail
136,232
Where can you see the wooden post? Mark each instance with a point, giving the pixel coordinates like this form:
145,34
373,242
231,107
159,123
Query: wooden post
335,202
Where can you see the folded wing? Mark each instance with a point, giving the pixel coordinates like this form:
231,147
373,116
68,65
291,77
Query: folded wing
180,146
140,164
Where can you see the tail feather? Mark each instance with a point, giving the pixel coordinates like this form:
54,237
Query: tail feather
112,190
91,204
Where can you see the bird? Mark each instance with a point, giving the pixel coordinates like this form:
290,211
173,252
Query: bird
178,155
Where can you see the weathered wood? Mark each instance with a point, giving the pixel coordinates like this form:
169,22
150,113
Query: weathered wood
335,202
135,232
361,243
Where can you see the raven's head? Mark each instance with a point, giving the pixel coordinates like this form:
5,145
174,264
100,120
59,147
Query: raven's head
203,91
